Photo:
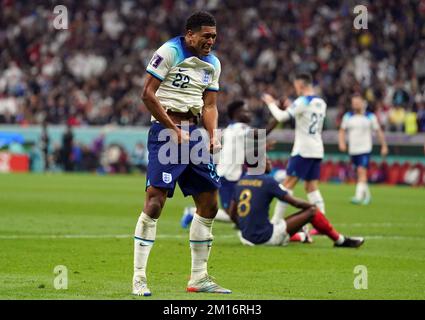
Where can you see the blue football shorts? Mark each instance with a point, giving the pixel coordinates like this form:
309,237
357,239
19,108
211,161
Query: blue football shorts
192,178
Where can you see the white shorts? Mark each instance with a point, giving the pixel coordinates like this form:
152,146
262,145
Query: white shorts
279,236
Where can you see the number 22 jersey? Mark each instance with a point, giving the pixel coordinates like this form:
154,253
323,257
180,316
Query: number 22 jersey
184,77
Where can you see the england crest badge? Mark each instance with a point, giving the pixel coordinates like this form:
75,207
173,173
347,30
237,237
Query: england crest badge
207,76
167,177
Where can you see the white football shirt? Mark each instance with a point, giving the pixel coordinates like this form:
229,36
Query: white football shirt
184,77
309,113
360,128
232,153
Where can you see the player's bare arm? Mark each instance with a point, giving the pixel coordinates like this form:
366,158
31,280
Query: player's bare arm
272,104
271,125
297,202
341,140
383,142
210,119
154,106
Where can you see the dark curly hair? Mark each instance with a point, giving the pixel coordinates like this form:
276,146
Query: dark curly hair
199,19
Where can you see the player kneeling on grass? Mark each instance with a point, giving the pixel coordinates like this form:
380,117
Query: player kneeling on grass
250,211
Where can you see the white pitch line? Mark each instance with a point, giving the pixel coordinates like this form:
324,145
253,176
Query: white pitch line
163,236
379,225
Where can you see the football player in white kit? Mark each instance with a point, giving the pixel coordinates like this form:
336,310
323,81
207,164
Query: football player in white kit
180,88
360,126
309,111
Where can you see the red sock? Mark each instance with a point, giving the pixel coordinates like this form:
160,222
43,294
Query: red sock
296,237
322,225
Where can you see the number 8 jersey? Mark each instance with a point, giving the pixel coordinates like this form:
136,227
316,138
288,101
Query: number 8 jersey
309,113
184,77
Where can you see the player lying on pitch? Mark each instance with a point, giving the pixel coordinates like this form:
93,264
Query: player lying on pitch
249,209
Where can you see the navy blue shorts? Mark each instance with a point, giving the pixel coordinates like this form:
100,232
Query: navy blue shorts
361,160
192,178
306,169
226,192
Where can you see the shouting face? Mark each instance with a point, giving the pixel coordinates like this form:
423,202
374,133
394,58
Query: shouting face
203,40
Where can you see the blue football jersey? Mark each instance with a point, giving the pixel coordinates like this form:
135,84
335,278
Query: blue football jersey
253,195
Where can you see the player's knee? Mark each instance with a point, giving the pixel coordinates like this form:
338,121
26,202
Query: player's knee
310,187
213,209
154,205
209,210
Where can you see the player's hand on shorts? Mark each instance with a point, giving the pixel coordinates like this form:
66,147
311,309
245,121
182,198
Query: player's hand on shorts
215,145
268,99
181,136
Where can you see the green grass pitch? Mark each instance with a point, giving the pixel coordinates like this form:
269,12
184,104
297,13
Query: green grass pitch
85,223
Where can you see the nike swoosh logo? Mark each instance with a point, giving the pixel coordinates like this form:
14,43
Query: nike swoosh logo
182,70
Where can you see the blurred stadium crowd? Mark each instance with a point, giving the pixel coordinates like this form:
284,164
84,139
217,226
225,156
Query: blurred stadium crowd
92,73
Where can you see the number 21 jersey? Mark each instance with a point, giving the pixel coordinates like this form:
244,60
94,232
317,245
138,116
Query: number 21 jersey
309,113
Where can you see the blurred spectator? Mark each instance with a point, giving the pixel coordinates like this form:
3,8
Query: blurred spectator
67,149
139,157
90,161
421,117
77,156
44,146
397,117
117,159
411,122
97,150
400,97
382,114
57,157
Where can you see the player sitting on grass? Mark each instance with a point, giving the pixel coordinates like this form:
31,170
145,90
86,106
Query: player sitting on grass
231,165
250,211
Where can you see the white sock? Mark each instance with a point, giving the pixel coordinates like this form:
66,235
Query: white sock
366,191
316,198
279,209
200,245
340,240
222,216
144,238
302,236
359,191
